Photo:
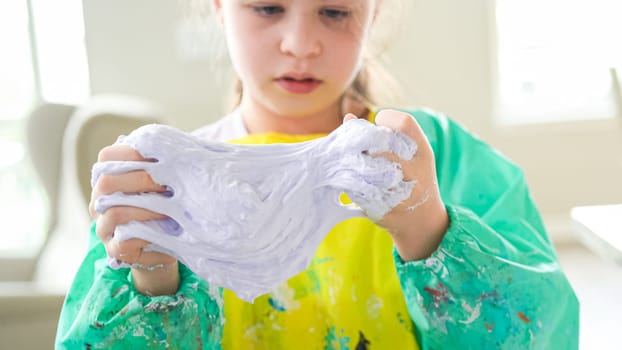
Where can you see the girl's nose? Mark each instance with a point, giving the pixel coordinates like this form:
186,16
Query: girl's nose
300,39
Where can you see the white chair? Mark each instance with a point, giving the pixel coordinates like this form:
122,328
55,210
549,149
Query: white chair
63,142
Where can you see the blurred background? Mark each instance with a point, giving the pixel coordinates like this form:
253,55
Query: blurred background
536,79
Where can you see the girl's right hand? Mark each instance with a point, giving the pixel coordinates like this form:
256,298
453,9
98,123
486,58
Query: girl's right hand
155,273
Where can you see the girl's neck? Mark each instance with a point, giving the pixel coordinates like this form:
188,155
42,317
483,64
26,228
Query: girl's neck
259,119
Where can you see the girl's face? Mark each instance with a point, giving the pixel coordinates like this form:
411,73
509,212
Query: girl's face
295,58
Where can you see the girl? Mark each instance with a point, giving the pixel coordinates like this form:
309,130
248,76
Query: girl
471,267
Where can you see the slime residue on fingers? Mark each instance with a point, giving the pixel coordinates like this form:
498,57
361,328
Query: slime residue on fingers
249,217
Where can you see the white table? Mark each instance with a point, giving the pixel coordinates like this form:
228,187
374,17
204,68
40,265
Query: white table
600,228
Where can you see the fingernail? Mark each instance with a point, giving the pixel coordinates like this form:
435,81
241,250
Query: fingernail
170,226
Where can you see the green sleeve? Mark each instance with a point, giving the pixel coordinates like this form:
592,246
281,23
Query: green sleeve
103,311
495,281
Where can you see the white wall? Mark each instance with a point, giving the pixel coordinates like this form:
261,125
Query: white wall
131,49
447,54
444,55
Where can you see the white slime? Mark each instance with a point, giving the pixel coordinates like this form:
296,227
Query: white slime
249,217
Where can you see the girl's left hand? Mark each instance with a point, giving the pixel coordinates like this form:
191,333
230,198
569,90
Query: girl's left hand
418,224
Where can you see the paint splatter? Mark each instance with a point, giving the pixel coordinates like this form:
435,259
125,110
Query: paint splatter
284,298
475,312
440,294
276,305
363,343
374,306
124,288
400,319
488,295
335,341
523,317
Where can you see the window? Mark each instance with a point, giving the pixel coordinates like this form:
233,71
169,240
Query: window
61,54
556,59
43,60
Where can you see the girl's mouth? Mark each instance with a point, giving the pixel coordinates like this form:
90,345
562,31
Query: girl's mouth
298,86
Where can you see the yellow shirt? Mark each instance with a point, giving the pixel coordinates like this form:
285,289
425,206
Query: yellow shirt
349,298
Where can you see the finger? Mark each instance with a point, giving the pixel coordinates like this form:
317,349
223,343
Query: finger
407,171
132,182
157,203
349,116
129,251
92,212
401,122
119,152
120,215
132,251
116,167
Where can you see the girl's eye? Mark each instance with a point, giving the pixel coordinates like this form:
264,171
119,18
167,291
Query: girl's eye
334,13
268,11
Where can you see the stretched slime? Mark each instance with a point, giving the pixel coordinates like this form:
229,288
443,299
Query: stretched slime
249,217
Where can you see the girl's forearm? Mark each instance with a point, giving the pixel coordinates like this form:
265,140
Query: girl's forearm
159,281
418,233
